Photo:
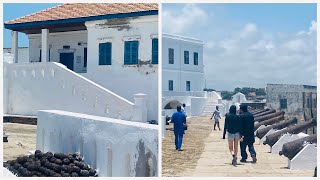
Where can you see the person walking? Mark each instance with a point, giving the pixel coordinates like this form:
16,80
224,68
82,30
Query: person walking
179,119
216,116
232,127
247,134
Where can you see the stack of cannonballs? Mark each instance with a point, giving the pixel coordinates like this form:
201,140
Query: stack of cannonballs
50,165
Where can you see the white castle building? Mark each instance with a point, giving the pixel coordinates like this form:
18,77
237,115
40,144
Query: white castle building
183,79
99,61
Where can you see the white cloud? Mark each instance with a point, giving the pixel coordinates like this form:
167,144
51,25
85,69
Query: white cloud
190,16
251,59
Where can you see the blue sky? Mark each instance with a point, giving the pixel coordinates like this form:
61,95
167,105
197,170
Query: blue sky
250,44
16,10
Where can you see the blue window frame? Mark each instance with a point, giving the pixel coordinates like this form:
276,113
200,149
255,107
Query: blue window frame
131,52
188,86
105,53
283,103
171,56
154,59
170,85
186,57
195,58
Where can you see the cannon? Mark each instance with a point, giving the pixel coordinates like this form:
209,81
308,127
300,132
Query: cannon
268,116
270,111
269,121
262,132
259,111
273,138
290,149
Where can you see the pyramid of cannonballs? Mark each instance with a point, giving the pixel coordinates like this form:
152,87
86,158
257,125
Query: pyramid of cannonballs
50,165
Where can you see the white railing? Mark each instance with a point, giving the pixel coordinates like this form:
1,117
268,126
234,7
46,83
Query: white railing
113,147
38,86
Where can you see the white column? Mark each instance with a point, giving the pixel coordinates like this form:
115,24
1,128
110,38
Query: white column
14,45
140,103
44,45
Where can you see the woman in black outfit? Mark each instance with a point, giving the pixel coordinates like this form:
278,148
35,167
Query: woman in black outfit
232,127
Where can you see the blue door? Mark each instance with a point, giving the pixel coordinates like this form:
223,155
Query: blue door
67,60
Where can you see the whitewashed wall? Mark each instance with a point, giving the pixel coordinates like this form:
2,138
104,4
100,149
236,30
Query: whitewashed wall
40,86
180,72
239,98
77,40
126,80
23,55
113,147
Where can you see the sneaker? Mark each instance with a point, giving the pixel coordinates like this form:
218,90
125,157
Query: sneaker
243,160
234,160
254,159
179,149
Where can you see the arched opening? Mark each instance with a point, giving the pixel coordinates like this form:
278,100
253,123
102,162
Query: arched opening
172,105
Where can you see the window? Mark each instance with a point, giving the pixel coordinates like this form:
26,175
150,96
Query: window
283,103
171,56
186,57
170,85
85,57
154,59
195,58
188,86
105,53
131,52
308,103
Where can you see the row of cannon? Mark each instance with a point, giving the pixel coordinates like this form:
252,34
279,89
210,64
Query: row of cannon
286,137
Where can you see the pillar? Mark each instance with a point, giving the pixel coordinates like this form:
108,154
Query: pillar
14,46
140,103
44,45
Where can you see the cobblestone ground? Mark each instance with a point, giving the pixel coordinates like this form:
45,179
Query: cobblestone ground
206,154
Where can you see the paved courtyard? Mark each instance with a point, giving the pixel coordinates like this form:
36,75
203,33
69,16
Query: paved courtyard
213,158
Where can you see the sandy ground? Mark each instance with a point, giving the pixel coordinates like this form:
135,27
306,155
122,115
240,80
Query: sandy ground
175,163
22,138
207,154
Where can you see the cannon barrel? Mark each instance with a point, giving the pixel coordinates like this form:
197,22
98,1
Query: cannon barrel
259,111
262,132
269,121
270,111
290,149
268,116
273,138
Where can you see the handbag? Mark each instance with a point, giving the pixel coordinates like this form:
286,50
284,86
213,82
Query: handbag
185,126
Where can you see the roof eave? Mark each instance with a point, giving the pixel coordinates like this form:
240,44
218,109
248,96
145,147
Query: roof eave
78,20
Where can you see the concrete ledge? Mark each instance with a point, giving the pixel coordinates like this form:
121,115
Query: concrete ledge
114,147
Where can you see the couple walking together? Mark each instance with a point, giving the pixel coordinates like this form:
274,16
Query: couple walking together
238,128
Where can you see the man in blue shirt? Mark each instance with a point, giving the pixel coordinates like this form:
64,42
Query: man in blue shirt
178,118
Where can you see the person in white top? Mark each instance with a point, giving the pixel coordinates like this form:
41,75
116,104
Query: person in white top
217,117
183,109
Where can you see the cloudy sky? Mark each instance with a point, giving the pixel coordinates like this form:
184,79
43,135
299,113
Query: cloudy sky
250,45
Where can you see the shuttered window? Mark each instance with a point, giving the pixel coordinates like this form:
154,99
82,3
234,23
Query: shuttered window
105,53
170,85
188,86
131,52
283,103
154,51
186,57
195,58
171,56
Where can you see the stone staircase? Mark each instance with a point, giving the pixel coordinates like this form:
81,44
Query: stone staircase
209,108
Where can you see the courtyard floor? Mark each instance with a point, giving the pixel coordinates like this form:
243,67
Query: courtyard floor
21,137
206,154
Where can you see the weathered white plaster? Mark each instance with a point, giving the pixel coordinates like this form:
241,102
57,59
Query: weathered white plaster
284,139
113,147
23,55
126,80
305,159
39,86
239,98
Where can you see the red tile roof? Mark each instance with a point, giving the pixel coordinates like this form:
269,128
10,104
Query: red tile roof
79,10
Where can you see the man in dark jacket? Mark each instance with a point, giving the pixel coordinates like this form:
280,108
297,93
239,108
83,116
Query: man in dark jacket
247,134
178,118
